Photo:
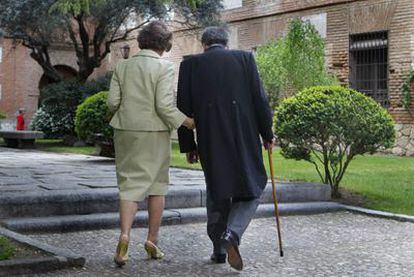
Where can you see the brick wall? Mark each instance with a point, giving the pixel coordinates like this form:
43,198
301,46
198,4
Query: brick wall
20,76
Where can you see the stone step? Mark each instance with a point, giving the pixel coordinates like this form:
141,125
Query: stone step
105,200
70,223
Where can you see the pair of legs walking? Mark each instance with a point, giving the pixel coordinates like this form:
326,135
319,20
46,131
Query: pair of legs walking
229,214
127,211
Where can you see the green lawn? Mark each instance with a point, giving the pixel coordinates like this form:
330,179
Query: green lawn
385,182
57,146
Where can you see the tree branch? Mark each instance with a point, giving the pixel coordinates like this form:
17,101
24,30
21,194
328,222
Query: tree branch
72,36
128,31
84,36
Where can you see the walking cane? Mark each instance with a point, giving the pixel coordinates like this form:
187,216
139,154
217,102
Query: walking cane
272,175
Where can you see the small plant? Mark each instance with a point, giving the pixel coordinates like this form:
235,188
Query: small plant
3,115
6,249
328,126
406,93
92,118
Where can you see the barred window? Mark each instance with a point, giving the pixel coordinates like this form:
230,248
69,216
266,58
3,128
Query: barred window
368,65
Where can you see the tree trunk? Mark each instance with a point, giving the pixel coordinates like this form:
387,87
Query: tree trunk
48,69
335,192
84,74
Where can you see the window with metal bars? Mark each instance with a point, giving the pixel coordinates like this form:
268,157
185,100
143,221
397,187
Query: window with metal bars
368,65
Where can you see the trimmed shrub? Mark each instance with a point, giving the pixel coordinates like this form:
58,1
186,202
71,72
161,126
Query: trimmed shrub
3,115
92,118
328,126
59,102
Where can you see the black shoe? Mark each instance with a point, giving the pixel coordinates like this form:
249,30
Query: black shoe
218,258
231,242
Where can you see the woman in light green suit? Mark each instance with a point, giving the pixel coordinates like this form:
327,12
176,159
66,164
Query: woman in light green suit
141,97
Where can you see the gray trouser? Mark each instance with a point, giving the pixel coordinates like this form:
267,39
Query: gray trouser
234,214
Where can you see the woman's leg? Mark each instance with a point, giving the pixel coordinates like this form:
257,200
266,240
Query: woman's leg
156,205
127,211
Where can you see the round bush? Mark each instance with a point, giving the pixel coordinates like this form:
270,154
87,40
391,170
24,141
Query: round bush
54,120
329,125
92,118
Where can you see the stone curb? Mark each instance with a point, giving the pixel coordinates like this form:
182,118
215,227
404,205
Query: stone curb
89,201
61,258
381,214
195,215
170,217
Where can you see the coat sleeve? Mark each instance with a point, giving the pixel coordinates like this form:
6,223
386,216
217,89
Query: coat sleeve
114,97
184,103
164,99
263,112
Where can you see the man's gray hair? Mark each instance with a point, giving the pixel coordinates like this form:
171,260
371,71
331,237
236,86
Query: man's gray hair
215,35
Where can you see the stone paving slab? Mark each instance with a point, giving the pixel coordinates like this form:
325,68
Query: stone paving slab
30,170
34,183
337,244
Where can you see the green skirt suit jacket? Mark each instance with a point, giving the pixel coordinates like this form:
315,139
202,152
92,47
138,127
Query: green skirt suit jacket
141,98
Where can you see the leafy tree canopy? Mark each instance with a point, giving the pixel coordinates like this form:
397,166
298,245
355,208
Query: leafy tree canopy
92,26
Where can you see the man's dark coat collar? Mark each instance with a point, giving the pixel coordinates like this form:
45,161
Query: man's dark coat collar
214,47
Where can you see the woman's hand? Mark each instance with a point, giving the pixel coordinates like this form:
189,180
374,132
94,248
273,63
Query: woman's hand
189,123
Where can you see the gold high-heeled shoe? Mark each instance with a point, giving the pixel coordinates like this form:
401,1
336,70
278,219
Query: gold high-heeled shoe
121,256
153,251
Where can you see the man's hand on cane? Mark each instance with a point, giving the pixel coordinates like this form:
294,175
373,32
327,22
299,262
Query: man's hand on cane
192,157
269,144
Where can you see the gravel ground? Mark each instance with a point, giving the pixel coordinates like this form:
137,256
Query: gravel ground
333,244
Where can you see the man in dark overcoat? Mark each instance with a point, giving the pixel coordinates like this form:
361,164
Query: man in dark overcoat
222,90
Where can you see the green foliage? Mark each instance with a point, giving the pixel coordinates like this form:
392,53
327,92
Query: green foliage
59,102
6,249
91,27
55,120
328,126
406,93
294,62
75,7
66,94
3,115
92,118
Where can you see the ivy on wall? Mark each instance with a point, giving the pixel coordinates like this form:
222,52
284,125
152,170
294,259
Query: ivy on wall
406,94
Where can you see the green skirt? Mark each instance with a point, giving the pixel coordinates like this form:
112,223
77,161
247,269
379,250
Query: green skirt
142,163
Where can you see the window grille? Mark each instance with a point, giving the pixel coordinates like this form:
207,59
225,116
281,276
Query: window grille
368,65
